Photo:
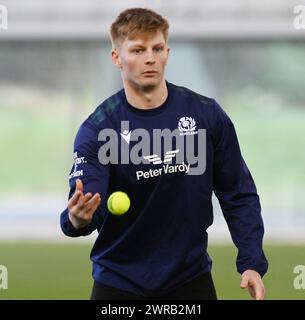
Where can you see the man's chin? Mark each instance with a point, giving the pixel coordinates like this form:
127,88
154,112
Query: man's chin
149,84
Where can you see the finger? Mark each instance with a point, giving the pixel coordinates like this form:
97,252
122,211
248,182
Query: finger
259,294
94,199
74,199
252,292
89,211
244,282
79,185
83,200
78,209
93,203
259,297
81,203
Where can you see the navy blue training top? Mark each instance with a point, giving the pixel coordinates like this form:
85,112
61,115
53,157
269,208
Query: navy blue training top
161,242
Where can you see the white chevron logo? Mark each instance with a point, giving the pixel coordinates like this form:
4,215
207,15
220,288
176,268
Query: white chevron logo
155,159
126,135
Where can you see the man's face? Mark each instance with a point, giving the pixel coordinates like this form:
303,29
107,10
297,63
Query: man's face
142,60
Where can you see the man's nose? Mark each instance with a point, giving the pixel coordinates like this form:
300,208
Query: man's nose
150,58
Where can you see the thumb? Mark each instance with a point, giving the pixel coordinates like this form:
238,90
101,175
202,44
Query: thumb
79,185
244,282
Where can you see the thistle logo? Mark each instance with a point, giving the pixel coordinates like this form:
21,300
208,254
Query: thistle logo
155,159
187,125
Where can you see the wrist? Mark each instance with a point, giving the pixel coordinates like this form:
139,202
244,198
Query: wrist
77,223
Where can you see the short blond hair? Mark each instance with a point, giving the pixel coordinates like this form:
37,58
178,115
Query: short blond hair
134,21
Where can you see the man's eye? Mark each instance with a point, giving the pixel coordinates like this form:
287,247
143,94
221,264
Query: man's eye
137,50
159,49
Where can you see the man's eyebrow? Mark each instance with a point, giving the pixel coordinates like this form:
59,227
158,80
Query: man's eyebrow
142,46
137,46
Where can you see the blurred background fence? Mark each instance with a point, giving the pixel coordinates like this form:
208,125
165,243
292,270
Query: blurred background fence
55,68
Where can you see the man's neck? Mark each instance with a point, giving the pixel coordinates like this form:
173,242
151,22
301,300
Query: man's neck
146,99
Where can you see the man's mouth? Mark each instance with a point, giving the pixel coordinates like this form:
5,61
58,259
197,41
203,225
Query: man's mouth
150,71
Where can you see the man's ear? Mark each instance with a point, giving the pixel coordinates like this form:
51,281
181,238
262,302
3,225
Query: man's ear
116,59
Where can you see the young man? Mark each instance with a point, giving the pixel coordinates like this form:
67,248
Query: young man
168,148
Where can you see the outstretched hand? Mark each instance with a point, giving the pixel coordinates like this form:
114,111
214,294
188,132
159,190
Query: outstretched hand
82,207
254,283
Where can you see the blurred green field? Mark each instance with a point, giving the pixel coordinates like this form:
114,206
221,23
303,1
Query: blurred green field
38,148
57,271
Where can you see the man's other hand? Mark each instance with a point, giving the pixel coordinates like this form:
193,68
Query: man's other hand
254,283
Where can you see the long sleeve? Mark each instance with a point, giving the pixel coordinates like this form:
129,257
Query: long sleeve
236,191
94,176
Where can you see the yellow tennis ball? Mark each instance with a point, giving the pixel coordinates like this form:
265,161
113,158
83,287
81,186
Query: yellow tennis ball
118,203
